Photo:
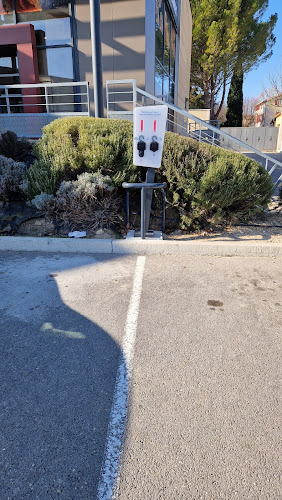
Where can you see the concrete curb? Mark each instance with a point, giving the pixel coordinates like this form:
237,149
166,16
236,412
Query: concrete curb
143,247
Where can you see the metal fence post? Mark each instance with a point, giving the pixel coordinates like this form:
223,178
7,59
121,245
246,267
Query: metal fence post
7,101
134,97
163,210
46,99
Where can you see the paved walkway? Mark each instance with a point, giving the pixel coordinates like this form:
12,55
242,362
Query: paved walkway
199,340
276,156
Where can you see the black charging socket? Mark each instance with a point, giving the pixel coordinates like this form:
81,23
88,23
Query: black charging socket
141,146
154,146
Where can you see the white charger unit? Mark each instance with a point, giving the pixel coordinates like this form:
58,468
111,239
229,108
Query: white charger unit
148,135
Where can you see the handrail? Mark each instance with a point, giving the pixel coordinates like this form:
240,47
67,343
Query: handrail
44,84
208,126
26,108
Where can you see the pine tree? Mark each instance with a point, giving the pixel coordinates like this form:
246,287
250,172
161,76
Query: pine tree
227,35
256,42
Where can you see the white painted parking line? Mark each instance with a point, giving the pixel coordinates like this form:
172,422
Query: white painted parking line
108,483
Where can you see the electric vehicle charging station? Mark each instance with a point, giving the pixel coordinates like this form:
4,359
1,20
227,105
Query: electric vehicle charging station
148,135
148,139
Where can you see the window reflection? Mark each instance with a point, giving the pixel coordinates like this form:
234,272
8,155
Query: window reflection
6,12
165,52
29,16
55,65
38,5
6,6
52,24
159,30
166,42
53,32
52,28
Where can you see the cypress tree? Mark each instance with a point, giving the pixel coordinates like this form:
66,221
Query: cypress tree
234,114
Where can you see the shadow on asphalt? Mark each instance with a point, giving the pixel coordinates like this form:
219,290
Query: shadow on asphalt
58,373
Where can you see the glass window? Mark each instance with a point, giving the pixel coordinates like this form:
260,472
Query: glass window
5,62
159,29
165,52
53,32
158,79
55,65
172,53
166,41
52,23
171,88
166,85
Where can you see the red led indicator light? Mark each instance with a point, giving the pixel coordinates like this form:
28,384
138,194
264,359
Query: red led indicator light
155,125
141,125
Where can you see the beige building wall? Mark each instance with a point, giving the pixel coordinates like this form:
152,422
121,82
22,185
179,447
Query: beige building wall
184,61
123,41
202,114
126,35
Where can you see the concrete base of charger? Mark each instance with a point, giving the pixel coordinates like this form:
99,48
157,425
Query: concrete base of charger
151,235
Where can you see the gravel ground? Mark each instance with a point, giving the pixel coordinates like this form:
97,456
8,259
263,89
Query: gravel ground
266,228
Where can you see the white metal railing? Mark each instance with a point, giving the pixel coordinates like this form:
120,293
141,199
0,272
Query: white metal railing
27,108
123,96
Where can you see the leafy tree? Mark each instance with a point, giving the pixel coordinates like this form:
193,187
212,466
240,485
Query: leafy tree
215,38
196,99
255,43
227,35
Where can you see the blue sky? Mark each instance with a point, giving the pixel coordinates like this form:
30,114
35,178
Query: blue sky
256,79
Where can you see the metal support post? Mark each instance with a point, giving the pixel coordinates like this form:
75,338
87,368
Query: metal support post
145,186
150,177
95,24
163,210
127,206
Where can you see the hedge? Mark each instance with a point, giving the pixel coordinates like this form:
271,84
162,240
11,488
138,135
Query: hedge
204,182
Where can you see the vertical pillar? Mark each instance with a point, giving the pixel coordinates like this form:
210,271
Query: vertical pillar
95,24
28,70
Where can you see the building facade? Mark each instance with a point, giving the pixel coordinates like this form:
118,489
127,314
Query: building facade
266,111
50,41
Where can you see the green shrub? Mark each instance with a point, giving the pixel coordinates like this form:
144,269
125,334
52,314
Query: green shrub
203,182
206,182
233,188
71,146
41,178
90,202
11,178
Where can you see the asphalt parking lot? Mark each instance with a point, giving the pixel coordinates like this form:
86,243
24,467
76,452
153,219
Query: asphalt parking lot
186,346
